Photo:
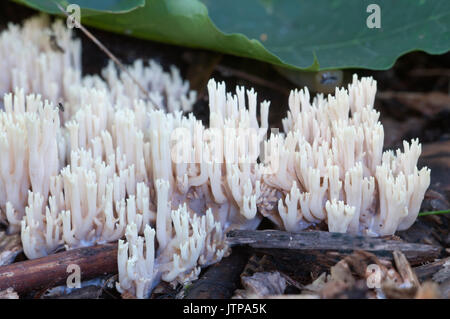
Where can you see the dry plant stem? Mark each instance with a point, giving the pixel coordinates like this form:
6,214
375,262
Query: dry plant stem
436,212
51,271
111,56
325,241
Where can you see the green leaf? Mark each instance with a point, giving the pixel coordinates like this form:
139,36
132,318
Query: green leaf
301,34
335,31
88,7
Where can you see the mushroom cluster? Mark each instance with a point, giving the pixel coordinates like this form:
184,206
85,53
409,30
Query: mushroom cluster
112,164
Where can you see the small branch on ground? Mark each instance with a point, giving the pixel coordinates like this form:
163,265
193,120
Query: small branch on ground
320,241
51,271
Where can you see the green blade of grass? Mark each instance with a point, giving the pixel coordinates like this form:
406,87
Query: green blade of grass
436,212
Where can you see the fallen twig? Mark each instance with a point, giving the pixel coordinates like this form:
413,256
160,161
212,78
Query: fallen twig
51,271
324,241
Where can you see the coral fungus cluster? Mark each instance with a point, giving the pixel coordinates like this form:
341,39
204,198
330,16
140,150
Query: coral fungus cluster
331,167
114,166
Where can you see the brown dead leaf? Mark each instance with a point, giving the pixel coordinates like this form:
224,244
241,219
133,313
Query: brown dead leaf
428,290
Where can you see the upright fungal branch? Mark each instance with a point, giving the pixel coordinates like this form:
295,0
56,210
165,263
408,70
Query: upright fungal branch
332,168
41,232
212,179
196,242
136,263
91,203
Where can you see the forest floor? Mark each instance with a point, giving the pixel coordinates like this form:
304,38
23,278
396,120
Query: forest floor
414,101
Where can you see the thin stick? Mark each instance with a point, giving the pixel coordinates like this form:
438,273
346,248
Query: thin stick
52,270
110,55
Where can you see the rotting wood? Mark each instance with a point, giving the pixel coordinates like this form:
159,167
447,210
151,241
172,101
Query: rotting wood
10,247
426,272
221,279
88,292
51,271
274,241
